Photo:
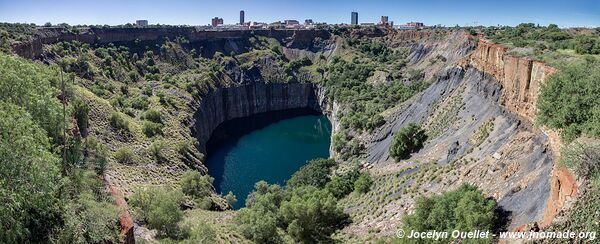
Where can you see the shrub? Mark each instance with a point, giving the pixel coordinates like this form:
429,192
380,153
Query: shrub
98,219
406,141
363,183
587,45
151,129
124,155
182,147
196,185
97,154
157,149
153,115
464,209
375,122
81,113
315,173
205,203
159,207
133,76
582,158
140,102
342,185
118,121
202,233
231,198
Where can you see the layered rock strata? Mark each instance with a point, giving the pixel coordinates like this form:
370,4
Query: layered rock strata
521,79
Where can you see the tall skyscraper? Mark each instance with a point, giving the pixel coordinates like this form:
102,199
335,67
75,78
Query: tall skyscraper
242,21
354,18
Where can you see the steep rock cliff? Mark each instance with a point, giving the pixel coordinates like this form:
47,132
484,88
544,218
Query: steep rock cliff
229,103
302,39
521,79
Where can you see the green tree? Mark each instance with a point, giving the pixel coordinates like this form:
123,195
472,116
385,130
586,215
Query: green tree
569,99
165,213
81,113
587,45
464,209
272,194
258,221
363,183
28,178
33,88
315,173
196,185
259,225
342,185
407,140
231,198
159,207
311,215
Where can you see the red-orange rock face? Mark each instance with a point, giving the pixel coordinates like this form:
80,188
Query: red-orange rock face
125,219
564,187
521,79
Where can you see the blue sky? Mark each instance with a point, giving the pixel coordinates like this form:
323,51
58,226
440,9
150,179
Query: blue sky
199,12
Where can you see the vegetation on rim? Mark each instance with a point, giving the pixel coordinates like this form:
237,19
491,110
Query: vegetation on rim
125,104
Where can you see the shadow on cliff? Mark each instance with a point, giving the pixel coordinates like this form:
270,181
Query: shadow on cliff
228,133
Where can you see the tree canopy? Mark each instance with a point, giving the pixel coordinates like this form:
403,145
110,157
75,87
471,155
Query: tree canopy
28,177
464,209
407,140
569,99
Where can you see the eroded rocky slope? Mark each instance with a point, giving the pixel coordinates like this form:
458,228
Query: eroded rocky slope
479,114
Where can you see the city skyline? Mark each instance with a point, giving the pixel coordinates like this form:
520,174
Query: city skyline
432,12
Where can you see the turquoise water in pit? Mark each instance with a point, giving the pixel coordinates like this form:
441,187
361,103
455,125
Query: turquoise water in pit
271,153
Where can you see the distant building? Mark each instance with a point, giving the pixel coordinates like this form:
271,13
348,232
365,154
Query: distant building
242,22
277,25
258,25
413,25
308,22
216,21
291,22
405,27
141,23
384,21
367,24
416,24
354,18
